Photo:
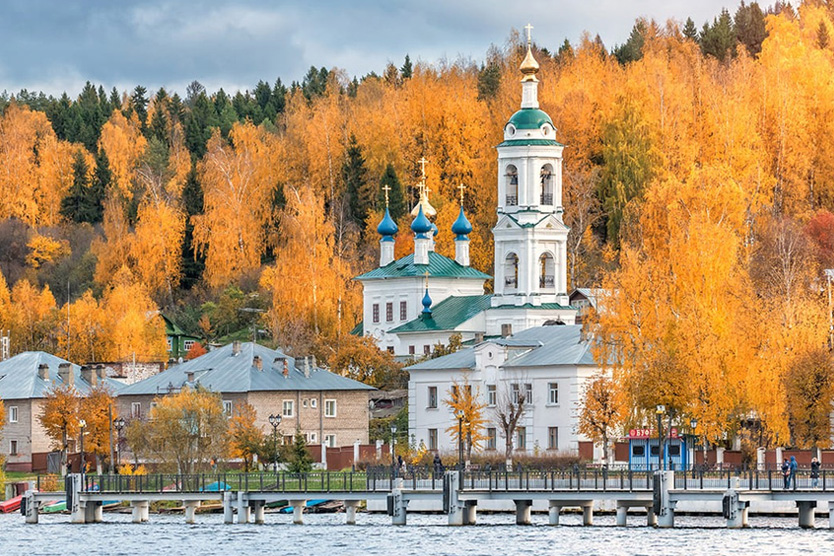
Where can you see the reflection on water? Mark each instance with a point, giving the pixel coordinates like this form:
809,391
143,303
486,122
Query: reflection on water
425,535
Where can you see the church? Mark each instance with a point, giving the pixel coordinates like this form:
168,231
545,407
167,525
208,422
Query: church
413,303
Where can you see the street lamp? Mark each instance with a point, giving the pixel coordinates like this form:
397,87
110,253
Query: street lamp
693,424
660,410
460,415
119,424
83,424
274,420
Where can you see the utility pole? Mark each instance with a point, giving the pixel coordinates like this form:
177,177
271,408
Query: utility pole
829,275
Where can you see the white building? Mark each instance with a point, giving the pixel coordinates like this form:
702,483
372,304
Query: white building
549,364
420,300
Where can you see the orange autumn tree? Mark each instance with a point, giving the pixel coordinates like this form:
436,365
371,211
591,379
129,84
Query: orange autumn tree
33,317
83,336
463,399
96,408
59,416
238,180
246,437
599,414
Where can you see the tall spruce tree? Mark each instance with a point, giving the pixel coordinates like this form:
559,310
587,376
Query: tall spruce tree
74,205
193,263
632,50
407,70
750,27
718,39
396,199
690,31
360,194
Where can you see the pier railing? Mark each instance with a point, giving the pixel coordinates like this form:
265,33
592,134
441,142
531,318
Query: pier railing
423,480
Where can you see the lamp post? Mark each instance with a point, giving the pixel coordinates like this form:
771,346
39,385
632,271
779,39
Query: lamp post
660,410
119,424
460,415
693,424
274,420
83,424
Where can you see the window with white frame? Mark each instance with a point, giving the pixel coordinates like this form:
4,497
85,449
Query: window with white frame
432,439
552,438
288,408
389,312
553,393
432,402
186,344
314,403
330,440
426,349
492,439
312,438
304,402
521,438
403,310
136,410
227,407
492,395
411,350
528,394
375,312
329,408
515,390
170,344
13,414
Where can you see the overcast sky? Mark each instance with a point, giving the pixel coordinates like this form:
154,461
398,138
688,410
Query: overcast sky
57,45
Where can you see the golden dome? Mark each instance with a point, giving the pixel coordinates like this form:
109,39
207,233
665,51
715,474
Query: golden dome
529,66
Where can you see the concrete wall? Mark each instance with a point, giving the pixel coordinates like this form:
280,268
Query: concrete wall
27,431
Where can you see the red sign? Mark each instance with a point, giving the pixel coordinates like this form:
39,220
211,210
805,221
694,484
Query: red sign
648,433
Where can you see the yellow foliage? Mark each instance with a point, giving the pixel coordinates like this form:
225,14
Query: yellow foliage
464,399
44,249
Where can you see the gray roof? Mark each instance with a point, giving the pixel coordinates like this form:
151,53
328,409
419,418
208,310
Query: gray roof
549,346
19,376
461,359
220,370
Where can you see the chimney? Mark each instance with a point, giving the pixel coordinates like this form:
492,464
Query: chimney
101,372
258,363
88,376
236,348
43,371
286,369
313,359
479,337
189,376
66,374
306,367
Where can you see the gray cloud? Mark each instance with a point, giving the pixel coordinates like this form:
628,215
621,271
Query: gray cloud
57,45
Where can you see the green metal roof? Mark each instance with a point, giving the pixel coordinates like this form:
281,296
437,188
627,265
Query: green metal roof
530,118
530,143
448,314
359,329
439,266
543,306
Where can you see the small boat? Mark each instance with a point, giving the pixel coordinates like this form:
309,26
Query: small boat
310,504
54,507
11,505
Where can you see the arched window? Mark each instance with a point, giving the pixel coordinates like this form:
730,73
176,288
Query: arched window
511,270
547,270
512,186
547,184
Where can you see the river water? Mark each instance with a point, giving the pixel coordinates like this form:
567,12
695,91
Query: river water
425,535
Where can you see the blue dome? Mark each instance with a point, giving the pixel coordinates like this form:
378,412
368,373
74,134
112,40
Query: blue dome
387,227
461,228
421,224
434,230
427,303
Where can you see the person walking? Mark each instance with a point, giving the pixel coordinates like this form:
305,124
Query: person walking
786,473
793,466
815,472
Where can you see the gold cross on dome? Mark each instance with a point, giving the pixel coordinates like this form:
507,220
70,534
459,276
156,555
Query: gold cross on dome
386,189
461,187
422,162
426,274
528,28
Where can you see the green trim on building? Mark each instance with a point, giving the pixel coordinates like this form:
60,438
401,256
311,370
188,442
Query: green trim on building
530,143
438,267
359,329
530,118
177,339
448,314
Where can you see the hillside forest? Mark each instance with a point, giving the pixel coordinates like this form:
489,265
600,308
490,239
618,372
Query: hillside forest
698,188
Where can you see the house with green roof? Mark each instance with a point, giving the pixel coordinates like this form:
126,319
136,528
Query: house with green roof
422,299
179,341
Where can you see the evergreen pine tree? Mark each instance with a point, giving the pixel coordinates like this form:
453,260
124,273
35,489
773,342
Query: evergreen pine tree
360,194
299,460
690,31
193,263
632,50
718,39
407,70
489,81
74,205
396,200
99,186
139,103
750,27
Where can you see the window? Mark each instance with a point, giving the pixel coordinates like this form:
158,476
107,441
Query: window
492,395
515,392
553,393
312,438
13,448
288,408
675,450
512,186
654,451
506,331
330,440
287,440
552,438
492,439
389,312
314,403
186,344
432,439
403,310
329,408
432,404
376,312
135,410
304,403
411,350
547,268
547,184
521,438
390,349
511,270
13,414
528,394
455,392
427,350
638,451
170,344
227,407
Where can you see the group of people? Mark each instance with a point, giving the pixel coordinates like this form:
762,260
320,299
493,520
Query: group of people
789,467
